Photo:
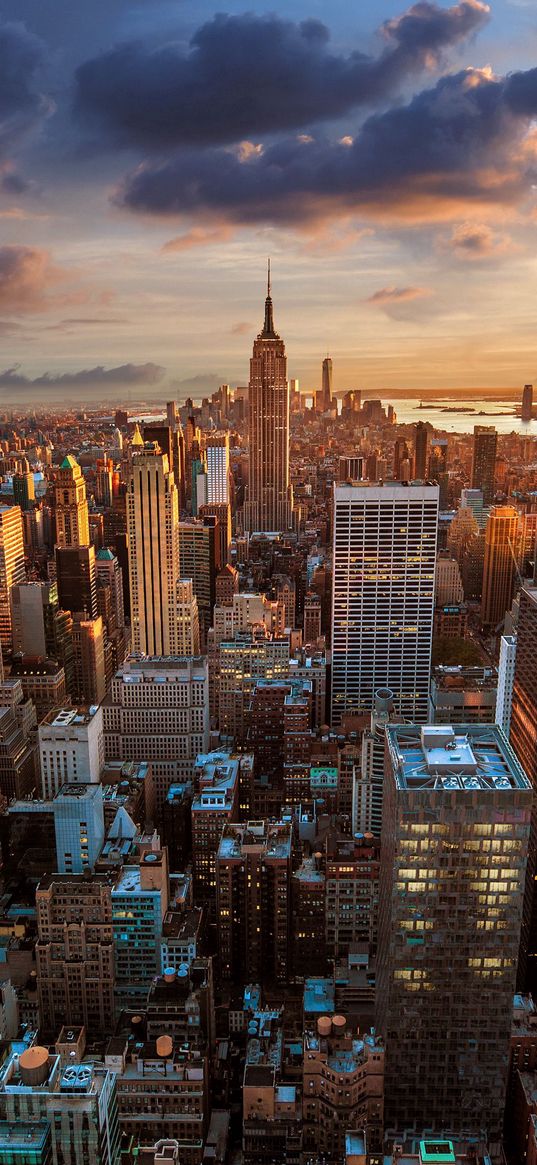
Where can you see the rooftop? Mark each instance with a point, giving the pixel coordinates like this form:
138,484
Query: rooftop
22,1136
470,678
468,758
69,717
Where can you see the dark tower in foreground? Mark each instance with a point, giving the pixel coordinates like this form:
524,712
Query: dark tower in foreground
269,501
421,441
327,383
484,461
455,827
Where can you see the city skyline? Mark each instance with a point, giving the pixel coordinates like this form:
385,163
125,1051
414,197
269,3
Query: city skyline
414,272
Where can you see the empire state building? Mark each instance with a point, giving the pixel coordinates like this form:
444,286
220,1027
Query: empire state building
269,503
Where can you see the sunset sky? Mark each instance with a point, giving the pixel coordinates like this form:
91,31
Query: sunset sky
153,154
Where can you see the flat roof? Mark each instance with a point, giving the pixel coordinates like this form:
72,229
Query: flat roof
19,1136
466,757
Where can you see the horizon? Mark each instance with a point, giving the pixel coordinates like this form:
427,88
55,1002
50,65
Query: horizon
134,237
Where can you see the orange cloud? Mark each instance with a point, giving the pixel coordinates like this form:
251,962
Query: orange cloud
197,237
393,295
477,241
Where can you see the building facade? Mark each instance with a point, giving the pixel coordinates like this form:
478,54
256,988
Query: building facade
384,554
456,821
269,502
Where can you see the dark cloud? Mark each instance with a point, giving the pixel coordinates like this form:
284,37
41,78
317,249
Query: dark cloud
249,74
460,142
124,374
22,102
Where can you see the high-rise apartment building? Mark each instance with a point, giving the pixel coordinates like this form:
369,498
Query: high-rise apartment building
217,778
73,1107
75,952
500,565
188,628
421,443
269,501
222,512
448,589
71,748
217,461
368,781
157,711
77,580
484,461
89,676
352,893
23,490
242,661
12,569
456,820
384,554
199,559
70,505
253,872
109,574
140,897
40,628
79,827
153,528
506,683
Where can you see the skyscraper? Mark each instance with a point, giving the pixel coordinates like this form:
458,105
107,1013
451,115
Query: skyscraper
23,490
384,553
12,569
217,458
527,402
484,461
75,952
269,501
76,578
153,528
523,737
456,808
506,680
421,439
500,565
326,393
70,504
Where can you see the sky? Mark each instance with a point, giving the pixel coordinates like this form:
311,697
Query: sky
154,153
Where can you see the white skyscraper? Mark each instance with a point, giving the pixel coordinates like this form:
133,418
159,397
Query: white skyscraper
384,553
153,530
217,457
506,679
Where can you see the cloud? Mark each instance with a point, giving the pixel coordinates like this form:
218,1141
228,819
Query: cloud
242,328
403,303
19,214
477,241
123,374
197,237
463,142
27,275
389,295
256,74
30,282
22,102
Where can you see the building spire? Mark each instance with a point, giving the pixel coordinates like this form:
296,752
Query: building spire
268,327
